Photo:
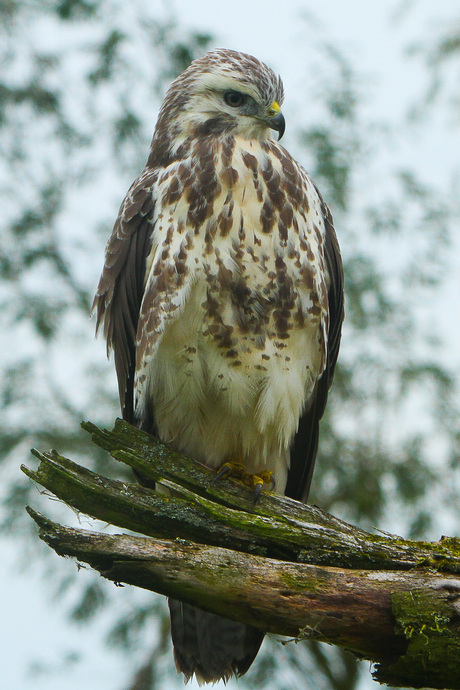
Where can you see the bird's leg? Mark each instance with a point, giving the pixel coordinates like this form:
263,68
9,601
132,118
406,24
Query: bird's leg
237,470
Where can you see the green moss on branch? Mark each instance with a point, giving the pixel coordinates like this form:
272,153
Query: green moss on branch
280,565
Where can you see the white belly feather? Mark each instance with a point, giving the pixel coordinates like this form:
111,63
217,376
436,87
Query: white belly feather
225,384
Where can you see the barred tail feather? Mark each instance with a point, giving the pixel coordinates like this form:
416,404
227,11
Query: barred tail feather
210,646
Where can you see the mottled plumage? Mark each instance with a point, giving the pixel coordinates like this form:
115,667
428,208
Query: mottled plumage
222,298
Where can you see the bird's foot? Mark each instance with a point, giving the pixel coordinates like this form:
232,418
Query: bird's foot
254,481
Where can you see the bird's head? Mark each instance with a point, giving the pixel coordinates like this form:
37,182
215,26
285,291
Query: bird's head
224,92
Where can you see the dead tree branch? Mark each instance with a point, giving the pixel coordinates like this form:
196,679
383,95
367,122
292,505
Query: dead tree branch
279,565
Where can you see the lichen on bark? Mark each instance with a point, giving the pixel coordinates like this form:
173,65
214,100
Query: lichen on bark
280,565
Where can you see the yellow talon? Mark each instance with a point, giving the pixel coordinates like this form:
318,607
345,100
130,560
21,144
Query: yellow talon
267,478
254,481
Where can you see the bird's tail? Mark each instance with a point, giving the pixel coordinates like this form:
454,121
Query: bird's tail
210,646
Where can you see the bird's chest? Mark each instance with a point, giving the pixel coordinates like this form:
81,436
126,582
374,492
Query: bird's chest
232,232
245,293
231,337
242,353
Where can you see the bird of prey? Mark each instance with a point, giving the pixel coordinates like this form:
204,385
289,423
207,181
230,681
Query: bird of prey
222,299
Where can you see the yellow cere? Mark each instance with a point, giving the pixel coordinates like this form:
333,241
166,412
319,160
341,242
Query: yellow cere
274,108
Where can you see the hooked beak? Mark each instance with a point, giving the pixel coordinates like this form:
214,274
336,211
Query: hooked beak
275,119
278,123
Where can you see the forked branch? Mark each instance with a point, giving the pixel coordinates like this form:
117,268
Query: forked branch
279,565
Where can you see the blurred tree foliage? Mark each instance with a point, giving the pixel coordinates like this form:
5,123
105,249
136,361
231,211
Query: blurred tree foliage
80,86
439,53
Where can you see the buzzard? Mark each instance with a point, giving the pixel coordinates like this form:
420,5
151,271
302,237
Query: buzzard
222,299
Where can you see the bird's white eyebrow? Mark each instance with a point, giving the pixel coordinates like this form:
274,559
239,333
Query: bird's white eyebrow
224,82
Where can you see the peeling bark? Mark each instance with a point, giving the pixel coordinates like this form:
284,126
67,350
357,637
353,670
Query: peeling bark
279,565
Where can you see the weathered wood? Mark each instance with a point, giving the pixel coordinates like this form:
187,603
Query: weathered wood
278,565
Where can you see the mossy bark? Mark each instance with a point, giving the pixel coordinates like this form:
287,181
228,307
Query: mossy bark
282,566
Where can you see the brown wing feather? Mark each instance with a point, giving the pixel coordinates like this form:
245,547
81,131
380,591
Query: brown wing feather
305,446
120,291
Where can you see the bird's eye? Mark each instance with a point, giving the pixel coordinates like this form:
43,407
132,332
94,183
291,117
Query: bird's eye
235,98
